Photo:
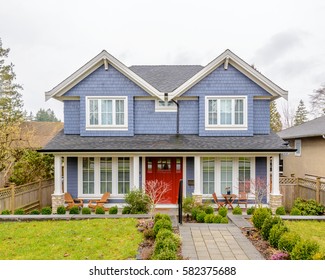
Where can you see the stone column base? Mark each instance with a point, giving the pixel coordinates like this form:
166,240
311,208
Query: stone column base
57,200
197,198
275,201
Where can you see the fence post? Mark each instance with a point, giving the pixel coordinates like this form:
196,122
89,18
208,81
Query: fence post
318,189
12,206
40,193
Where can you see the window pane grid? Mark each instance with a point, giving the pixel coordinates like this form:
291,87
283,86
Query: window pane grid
208,175
244,175
88,171
123,175
226,175
105,175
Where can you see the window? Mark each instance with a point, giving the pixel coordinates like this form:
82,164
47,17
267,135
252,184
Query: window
208,175
164,164
244,174
123,175
226,112
105,175
226,175
165,106
106,112
298,147
88,175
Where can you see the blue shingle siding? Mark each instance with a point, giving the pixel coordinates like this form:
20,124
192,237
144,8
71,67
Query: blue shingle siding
261,171
71,117
261,116
72,176
189,116
189,176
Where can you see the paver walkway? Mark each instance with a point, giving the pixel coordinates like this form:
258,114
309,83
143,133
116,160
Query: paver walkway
217,242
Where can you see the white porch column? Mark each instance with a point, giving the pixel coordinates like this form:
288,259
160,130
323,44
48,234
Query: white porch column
275,197
57,196
197,179
136,172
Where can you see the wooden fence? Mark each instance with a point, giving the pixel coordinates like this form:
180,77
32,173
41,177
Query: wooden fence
305,188
29,196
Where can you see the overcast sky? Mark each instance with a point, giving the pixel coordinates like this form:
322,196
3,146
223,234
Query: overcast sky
49,40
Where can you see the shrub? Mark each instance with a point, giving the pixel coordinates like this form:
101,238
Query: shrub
319,256
217,219
74,210
113,210
208,209
280,211
162,223
223,211
188,205
61,210
165,234
100,210
280,256
250,211
126,210
269,222
85,211
209,218
275,234
304,250
5,212
149,233
194,212
165,255
224,220
309,207
46,210
160,216
260,214
34,212
237,211
200,216
165,244
19,211
138,201
295,212
287,241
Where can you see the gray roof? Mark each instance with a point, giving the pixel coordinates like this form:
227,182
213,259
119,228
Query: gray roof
166,78
166,143
311,128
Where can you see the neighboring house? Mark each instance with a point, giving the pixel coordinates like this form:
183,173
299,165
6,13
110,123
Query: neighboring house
123,126
309,140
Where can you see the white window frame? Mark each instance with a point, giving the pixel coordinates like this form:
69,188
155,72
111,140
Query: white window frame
231,126
165,108
298,147
113,126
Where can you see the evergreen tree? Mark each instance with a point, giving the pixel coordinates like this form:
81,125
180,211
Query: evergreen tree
275,118
301,114
46,116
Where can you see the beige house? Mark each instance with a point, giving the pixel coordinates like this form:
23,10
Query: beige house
309,140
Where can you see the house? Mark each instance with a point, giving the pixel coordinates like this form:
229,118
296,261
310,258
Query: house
125,126
309,140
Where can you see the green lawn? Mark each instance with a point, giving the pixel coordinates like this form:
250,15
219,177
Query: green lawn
95,239
313,230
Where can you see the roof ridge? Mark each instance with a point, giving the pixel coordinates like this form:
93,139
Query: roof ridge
151,65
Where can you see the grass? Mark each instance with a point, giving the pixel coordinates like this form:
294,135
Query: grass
313,230
95,239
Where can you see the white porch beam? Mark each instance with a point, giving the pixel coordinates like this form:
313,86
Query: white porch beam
57,175
197,175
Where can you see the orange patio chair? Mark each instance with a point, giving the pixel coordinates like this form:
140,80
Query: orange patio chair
242,199
68,199
99,202
216,201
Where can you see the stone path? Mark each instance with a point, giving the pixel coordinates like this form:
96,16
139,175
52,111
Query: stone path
217,242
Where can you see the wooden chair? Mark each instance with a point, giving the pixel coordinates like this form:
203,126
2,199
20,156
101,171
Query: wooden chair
216,201
68,199
242,199
99,202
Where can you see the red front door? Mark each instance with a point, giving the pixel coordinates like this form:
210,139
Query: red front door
168,171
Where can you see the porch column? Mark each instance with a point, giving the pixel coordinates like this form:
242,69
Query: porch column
136,172
197,179
57,196
275,197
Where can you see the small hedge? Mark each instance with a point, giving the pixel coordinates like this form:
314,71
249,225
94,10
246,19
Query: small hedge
237,211
223,211
288,241
251,210
260,214
34,212
209,218
200,216
280,211
19,211
269,222
5,212
224,220
46,210
126,210
113,210
309,207
99,210
86,211
74,210
61,210
295,212
217,219
275,234
160,216
304,250
209,209
160,224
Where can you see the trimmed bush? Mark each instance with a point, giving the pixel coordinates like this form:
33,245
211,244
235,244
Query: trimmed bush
166,233
126,210
224,220
113,210
209,218
61,210
165,255
138,201
194,212
280,211
85,211
19,212
269,222
287,241
304,250
34,212
46,210
223,211
260,214
309,207
295,212
237,211
100,210
188,205
160,224
217,219
200,216
275,234
164,244
251,210
160,216
209,209
319,256
74,210
5,212
149,233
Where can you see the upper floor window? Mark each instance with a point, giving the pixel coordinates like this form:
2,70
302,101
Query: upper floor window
226,112
165,106
106,112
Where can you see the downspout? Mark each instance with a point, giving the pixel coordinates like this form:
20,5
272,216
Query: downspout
177,117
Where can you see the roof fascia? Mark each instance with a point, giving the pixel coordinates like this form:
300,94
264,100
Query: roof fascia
240,65
90,67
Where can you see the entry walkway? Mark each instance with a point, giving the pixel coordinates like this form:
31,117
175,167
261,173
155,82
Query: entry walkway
217,242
